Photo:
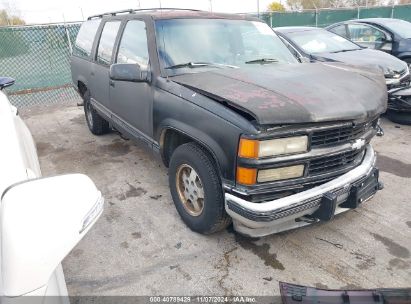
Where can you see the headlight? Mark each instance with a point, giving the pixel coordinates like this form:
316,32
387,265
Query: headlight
250,176
249,148
390,81
271,175
395,78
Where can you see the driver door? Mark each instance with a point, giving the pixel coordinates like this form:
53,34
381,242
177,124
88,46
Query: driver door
132,102
370,37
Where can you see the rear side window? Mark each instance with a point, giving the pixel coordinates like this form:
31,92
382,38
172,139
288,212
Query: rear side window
107,40
133,46
85,38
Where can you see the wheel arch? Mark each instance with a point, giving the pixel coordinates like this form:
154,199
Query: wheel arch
82,86
404,56
172,136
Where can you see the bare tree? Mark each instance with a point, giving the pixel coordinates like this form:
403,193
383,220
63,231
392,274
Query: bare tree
7,19
10,15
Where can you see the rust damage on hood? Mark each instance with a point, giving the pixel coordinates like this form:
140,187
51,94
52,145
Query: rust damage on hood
298,93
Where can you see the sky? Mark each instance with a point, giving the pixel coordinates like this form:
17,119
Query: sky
47,11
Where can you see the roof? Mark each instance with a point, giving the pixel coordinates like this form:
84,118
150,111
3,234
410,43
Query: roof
377,20
293,29
175,13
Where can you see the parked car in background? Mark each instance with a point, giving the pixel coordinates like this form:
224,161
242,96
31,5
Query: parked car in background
386,34
42,219
319,45
246,131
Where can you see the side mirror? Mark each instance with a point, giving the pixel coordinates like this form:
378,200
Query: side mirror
6,82
41,221
385,44
128,72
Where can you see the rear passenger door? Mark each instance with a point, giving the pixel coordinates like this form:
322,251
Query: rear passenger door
101,67
132,102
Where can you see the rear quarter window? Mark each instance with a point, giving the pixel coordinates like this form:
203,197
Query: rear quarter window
85,38
339,30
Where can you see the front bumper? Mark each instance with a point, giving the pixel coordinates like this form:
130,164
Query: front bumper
304,208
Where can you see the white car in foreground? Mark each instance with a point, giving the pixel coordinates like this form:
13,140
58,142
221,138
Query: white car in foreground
41,219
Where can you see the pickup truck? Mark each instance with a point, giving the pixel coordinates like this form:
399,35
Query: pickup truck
248,134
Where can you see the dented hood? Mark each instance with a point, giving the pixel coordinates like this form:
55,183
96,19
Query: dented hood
294,93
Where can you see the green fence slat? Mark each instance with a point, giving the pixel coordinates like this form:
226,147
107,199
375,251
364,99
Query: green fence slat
328,17
402,12
293,19
376,12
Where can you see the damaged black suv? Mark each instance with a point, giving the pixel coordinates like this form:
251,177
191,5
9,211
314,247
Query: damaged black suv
247,132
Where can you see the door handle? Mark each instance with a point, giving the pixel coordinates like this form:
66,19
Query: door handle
112,83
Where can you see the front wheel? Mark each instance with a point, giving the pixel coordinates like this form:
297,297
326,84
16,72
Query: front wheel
196,189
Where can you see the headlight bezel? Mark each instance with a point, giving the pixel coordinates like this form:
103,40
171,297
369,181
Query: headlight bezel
260,148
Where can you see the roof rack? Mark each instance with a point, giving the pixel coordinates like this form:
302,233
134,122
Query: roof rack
132,11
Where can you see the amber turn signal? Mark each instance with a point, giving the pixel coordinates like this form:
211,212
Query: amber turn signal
248,148
246,176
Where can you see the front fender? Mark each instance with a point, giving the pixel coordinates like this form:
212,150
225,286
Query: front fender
212,131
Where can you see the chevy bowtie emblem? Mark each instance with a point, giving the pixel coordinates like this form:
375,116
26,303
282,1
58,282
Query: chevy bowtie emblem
358,144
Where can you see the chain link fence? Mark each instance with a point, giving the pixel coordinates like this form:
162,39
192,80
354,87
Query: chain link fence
325,17
38,57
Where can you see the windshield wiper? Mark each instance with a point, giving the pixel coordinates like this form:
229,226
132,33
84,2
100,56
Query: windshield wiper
199,65
262,60
347,50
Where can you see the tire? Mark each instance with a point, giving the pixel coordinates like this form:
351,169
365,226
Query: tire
403,118
96,124
212,217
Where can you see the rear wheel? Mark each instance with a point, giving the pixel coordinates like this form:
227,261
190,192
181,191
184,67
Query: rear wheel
96,124
196,189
